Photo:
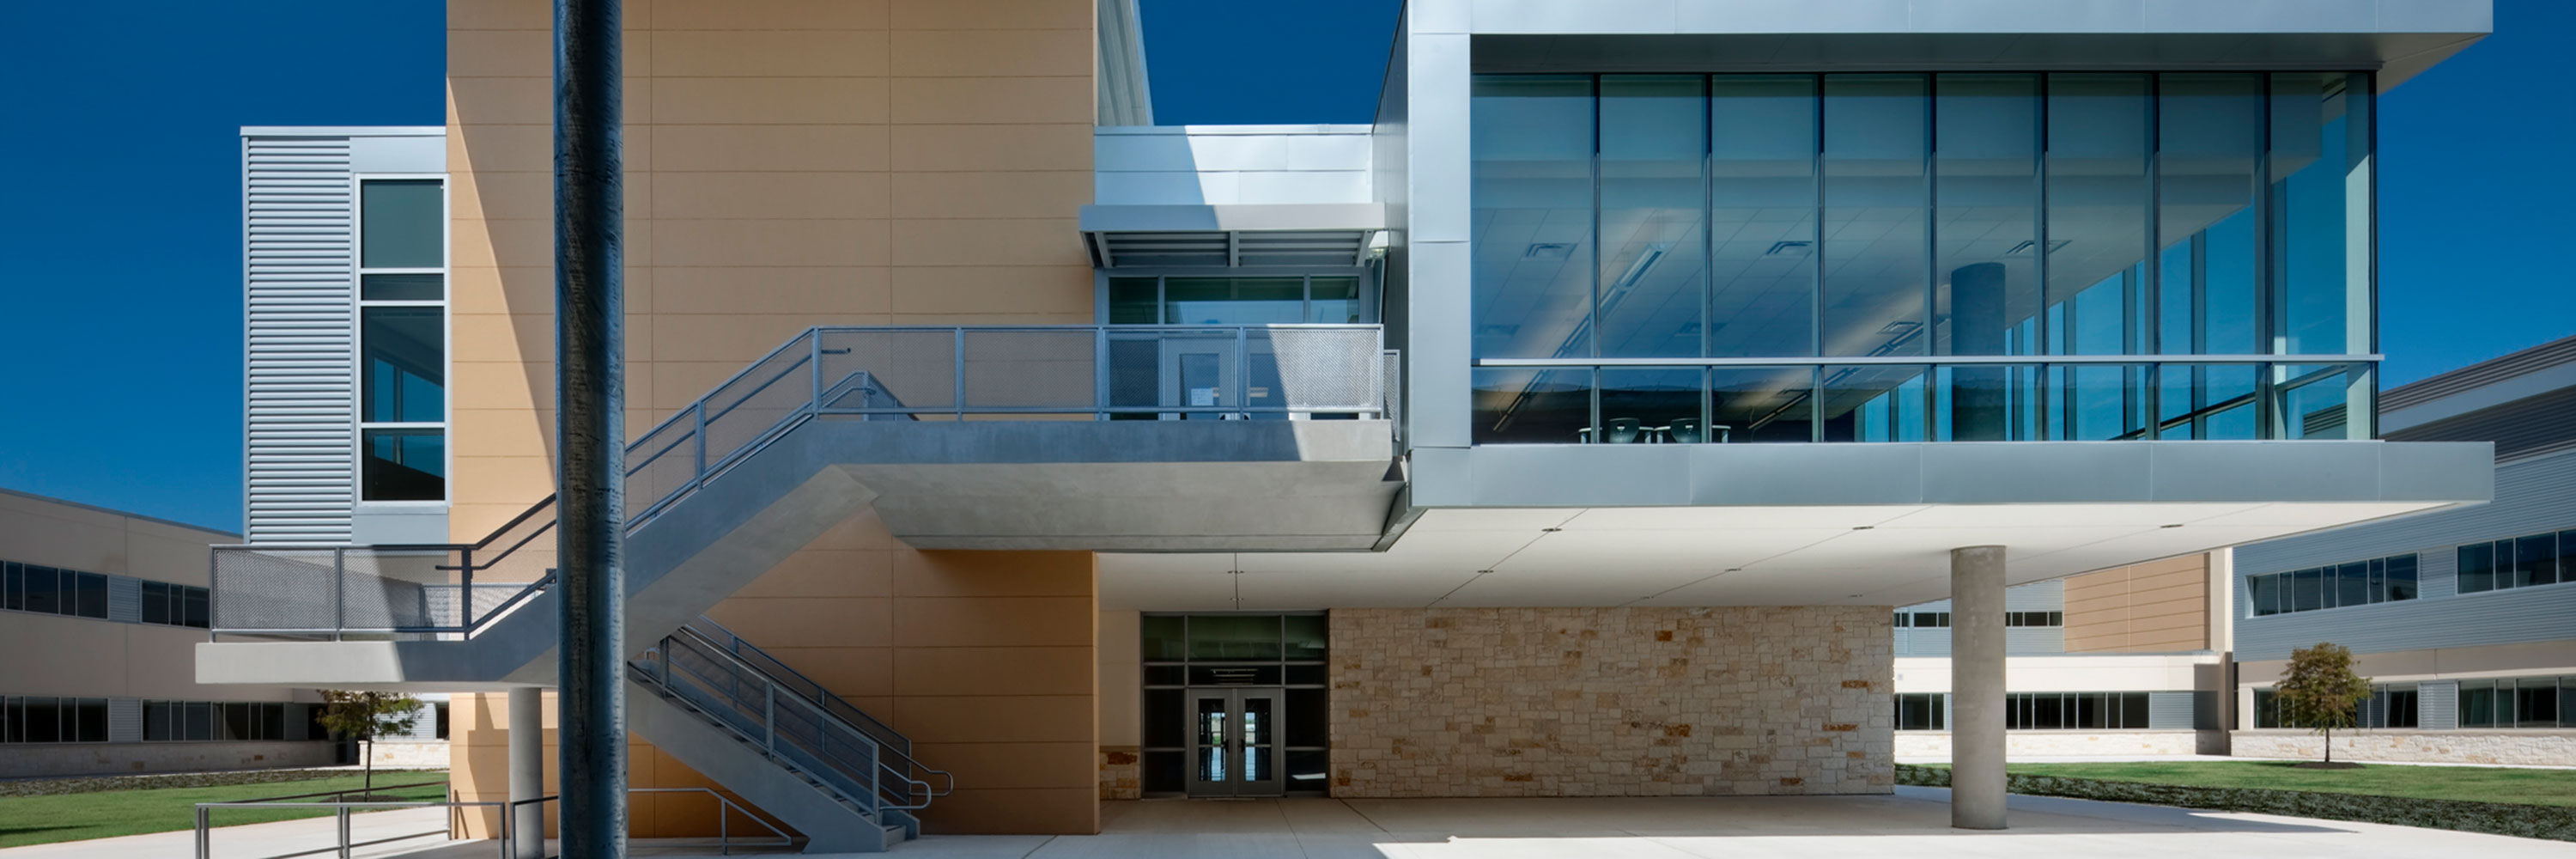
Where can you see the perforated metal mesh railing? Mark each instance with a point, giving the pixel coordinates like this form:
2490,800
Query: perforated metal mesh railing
906,373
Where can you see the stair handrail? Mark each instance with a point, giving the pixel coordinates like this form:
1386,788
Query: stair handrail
900,745
822,707
873,784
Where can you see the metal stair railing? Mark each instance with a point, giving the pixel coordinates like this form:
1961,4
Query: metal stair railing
897,755
1096,372
781,725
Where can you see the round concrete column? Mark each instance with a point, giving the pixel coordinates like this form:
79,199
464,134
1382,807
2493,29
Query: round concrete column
1977,687
527,770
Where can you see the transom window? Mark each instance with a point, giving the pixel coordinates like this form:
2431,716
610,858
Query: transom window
1232,300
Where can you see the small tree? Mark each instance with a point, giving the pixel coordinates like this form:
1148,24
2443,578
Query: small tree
364,716
2318,690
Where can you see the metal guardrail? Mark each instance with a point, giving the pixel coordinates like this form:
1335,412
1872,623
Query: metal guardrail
508,844
910,373
784,726
897,754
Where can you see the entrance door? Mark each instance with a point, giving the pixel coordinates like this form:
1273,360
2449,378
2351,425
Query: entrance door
1234,742
1206,373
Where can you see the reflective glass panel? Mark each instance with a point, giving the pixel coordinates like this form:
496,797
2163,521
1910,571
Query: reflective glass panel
1307,636
1161,637
1529,405
1233,300
1762,217
1873,403
2098,143
1875,260
1762,404
1531,183
404,464
1229,636
2316,401
1986,183
2097,402
2320,237
1135,301
1651,405
2207,401
1334,300
1982,402
2209,160
404,359
403,224
1653,236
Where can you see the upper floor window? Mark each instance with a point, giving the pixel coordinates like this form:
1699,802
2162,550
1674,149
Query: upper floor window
2333,586
1920,257
49,590
2520,562
402,340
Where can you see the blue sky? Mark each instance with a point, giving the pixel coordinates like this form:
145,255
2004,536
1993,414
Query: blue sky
120,300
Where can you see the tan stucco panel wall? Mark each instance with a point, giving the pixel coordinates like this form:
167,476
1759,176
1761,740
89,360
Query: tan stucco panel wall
984,659
791,164
1611,701
2154,607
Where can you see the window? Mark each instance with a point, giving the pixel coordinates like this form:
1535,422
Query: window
2075,711
2518,702
402,340
2034,618
2519,562
2345,585
1922,711
37,719
2387,707
1935,215
212,721
1219,300
1923,619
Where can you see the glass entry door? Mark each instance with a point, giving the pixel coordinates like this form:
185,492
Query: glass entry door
1234,742
1207,374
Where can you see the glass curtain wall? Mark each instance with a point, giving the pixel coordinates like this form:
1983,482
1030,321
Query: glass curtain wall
2078,256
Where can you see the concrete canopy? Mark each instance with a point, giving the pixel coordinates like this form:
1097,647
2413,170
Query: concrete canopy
1671,525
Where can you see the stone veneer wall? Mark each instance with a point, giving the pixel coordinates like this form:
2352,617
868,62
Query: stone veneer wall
2528,748
1612,701
1936,744
1122,775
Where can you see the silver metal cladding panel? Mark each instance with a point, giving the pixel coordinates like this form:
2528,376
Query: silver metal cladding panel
125,720
1949,473
298,246
2437,705
2531,496
2172,711
124,599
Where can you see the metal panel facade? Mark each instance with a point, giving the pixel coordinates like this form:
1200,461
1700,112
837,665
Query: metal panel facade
2532,496
298,219
2171,711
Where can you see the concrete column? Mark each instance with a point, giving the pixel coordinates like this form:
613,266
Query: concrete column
1977,687
527,769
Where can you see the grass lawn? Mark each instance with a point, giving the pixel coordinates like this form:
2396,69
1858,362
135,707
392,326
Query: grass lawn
80,816
2472,784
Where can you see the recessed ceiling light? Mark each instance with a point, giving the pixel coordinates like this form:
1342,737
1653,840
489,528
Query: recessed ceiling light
1854,596
1482,572
1735,569
2174,525
1863,527
1550,530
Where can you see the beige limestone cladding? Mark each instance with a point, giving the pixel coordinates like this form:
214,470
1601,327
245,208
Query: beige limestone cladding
1611,701
1122,776
2518,748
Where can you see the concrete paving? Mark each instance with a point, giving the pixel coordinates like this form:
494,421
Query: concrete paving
1912,824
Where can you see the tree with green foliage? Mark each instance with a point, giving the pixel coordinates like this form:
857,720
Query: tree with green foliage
2318,690
364,716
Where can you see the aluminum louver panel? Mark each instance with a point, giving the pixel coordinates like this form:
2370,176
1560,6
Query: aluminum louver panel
297,247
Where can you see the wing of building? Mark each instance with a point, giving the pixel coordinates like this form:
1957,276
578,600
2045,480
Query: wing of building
1574,428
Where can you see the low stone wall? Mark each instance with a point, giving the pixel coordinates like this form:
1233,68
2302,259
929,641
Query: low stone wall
2520,748
1611,701
407,753
85,759
2498,818
1936,744
1121,774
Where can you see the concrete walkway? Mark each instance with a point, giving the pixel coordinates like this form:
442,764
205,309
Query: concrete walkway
1912,824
